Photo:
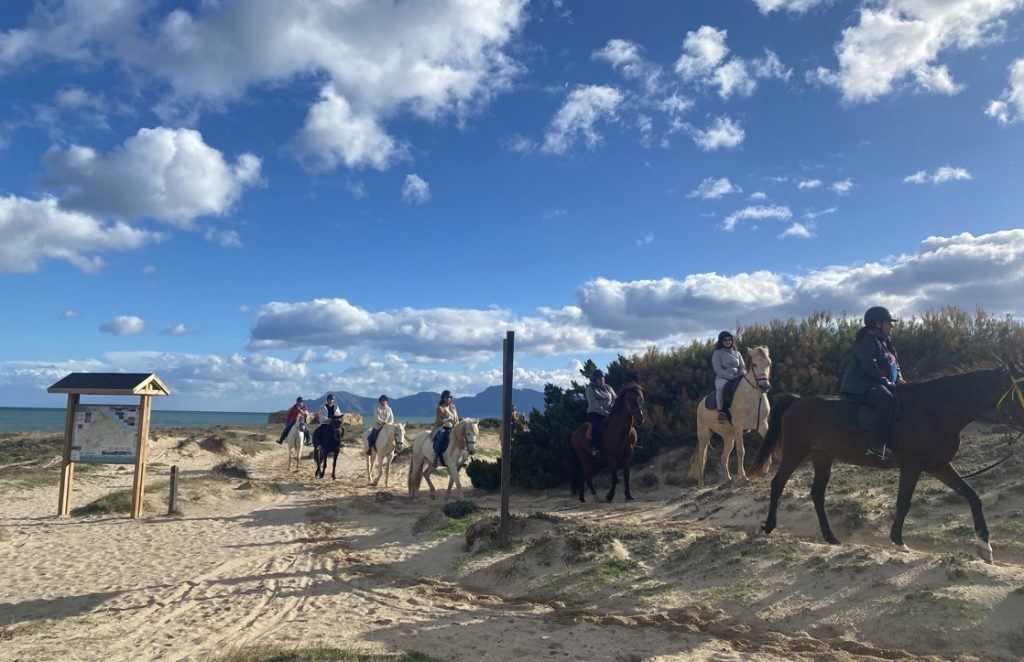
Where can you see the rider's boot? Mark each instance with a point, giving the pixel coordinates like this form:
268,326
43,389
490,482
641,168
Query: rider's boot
878,448
722,416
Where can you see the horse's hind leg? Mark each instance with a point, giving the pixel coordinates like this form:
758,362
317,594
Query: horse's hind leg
908,482
822,473
948,475
625,483
741,472
334,465
790,461
728,442
700,456
615,481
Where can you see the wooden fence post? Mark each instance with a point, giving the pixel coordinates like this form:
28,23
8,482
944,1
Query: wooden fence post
67,467
172,499
506,435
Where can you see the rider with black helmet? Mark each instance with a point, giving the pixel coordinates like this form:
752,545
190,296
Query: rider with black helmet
600,398
728,365
871,377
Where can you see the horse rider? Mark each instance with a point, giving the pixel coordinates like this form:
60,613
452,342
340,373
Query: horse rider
445,418
600,398
728,365
871,376
381,417
293,415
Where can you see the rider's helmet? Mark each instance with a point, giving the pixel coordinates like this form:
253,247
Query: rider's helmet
723,335
446,394
876,315
382,398
298,400
596,374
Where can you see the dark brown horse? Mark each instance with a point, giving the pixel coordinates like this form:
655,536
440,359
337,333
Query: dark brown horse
327,441
926,440
617,444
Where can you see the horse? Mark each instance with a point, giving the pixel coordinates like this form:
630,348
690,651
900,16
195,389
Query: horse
749,411
461,445
327,441
390,441
618,443
296,436
926,440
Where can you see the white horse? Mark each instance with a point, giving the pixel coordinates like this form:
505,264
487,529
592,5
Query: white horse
461,444
749,411
296,437
390,441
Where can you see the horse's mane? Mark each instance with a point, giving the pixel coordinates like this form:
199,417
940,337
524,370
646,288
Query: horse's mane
958,381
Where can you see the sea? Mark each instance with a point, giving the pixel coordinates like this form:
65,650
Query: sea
45,419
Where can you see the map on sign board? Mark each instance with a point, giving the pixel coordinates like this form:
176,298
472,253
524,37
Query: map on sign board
105,434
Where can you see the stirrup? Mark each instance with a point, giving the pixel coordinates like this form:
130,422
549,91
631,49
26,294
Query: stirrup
885,454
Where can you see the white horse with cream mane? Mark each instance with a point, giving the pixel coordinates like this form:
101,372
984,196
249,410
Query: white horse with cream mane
390,441
749,411
296,437
461,445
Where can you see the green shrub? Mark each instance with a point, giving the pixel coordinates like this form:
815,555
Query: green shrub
459,509
489,423
484,474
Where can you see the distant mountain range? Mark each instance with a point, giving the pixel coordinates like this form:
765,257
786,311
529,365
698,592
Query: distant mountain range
482,405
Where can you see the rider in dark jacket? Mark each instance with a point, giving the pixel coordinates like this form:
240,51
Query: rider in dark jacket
871,376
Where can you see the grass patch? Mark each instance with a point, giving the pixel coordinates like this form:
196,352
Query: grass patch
108,504
455,527
587,537
316,654
612,570
650,590
233,468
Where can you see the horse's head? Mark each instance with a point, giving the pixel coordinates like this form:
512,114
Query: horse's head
399,437
634,398
1012,401
759,363
469,434
301,420
338,428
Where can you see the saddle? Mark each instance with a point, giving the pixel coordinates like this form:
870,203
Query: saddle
711,401
853,415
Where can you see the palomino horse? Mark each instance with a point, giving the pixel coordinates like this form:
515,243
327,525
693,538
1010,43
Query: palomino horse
749,412
617,445
926,440
296,436
390,441
327,441
461,444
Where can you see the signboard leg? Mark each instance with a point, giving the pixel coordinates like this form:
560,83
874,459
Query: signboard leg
506,436
139,485
67,467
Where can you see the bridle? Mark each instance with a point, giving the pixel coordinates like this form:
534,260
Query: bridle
1014,392
636,410
756,383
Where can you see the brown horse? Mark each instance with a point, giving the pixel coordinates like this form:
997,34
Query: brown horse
926,440
618,443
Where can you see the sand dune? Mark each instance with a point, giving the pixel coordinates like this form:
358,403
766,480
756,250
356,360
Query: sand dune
287,560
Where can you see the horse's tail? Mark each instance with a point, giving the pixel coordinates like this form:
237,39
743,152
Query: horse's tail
575,470
415,471
763,459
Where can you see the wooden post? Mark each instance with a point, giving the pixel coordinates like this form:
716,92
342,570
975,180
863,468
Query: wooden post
67,467
141,448
172,500
506,435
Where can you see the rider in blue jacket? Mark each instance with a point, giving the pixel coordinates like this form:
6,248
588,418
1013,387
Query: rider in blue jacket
871,377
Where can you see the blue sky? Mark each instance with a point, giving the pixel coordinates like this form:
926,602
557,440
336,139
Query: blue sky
261,199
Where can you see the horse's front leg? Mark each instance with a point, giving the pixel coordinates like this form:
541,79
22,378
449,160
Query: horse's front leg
625,483
430,483
369,478
615,481
458,482
728,441
387,467
951,478
908,482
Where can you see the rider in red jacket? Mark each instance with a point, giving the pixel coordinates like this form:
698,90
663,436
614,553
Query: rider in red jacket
293,415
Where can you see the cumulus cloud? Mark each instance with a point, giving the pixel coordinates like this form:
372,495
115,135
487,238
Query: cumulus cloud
703,50
429,60
704,62
756,213
940,176
176,330
583,109
798,230
38,230
758,195
68,315
897,40
165,174
722,133
627,58
1009,108
711,188
842,187
808,183
124,325
226,238
415,190
792,6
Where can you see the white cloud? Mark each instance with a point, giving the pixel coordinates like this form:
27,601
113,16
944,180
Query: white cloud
756,213
583,109
1009,108
733,78
551,214
897,40
519,144
357,189
711,188
124,325
646,240
793,6
148,270
226,238
626,57
166,174
425,59
758,195
808,183
68,315
38,230
798,230
703,50
842,187
176,330
415,190
940,176
812,215
770,66
703,61
440,333
723,132
310,355
78,97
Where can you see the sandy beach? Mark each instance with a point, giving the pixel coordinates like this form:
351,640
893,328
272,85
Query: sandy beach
283,561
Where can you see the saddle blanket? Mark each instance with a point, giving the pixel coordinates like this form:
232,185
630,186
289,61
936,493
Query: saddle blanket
711,401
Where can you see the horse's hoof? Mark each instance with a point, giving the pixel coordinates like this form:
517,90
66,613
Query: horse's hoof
832,540
767,530
984,550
